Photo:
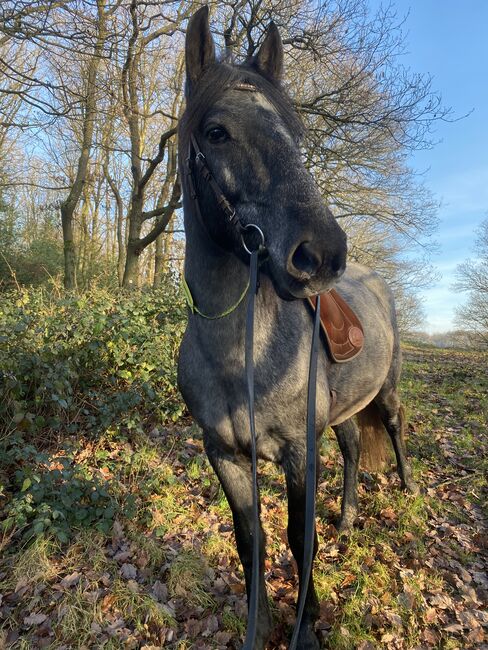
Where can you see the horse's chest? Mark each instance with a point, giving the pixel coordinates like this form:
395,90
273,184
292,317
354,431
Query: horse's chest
213,383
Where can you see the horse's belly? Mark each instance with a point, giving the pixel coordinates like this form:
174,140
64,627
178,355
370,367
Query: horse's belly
342,411
356,383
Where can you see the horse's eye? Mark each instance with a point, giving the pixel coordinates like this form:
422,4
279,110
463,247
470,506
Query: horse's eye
217,134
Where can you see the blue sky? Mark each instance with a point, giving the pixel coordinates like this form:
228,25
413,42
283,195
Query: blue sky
449,40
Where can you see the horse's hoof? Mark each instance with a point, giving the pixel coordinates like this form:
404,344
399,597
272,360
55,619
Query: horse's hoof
264,630
260,642
307,639
345,525
411,487
346,522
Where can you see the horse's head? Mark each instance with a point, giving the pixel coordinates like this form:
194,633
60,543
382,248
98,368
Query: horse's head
249,133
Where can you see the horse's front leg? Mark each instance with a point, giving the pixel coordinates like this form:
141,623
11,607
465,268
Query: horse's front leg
295,472
234,475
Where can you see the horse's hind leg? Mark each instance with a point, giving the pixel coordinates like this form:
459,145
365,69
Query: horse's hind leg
235,477
295,472
392,416
347,434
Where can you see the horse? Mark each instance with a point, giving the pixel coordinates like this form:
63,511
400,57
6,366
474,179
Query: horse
241,124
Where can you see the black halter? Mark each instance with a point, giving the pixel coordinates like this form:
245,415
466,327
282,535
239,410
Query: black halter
196,162
197,159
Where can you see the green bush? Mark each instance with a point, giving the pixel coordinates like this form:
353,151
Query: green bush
94,365
55,495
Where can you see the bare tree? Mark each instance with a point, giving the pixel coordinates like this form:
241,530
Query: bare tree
69,204
472,277
104,79
134,115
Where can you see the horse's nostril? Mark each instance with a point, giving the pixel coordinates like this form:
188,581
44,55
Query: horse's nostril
338,265
306,260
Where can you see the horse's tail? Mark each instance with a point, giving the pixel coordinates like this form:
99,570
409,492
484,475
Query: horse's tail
375,448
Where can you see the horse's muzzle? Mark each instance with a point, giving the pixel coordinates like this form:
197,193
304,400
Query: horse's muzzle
313,266
311,260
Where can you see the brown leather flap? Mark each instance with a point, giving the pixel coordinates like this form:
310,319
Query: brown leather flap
341,326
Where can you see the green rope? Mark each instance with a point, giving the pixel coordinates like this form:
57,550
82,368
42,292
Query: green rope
194,309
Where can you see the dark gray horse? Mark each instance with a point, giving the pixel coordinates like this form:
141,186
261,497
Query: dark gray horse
249,134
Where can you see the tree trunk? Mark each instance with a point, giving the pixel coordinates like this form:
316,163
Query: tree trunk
119,209
158,261
120,243
69,248
131,271
133,251
68,206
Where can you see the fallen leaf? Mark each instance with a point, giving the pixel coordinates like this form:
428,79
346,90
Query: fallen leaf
394,618
128,571
71,580
160,591
133,586
34,619
476,636
222,638
453,628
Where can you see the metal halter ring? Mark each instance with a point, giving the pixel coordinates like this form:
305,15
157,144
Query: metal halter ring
246,227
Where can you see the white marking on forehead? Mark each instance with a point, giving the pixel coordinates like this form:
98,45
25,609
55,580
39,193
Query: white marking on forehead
264,102
228,176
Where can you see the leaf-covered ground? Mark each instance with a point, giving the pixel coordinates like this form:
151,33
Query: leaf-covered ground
411,575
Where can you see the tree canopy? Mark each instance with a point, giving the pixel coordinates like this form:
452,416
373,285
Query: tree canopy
90,96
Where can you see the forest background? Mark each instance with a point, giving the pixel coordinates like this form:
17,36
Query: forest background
113,530
90,97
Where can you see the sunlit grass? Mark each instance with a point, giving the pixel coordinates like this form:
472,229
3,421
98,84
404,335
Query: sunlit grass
138,608
186,580
35,562
79,613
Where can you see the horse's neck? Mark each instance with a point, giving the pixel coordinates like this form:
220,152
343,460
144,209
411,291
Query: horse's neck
217,281
216,278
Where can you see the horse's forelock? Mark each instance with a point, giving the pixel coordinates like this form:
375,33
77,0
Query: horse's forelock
219,78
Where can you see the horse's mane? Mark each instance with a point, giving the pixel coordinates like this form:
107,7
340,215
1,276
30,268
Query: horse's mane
221,76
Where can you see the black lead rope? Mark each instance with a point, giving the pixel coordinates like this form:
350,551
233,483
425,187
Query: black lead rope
252,621
311,464
311,476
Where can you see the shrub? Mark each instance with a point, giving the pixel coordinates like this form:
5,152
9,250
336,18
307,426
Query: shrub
98,364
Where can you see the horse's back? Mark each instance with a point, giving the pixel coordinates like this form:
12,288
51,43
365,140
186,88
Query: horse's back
367,293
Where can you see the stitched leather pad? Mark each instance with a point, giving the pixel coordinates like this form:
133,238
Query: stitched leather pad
340,325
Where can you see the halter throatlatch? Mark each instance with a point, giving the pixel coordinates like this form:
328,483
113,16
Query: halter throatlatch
197,158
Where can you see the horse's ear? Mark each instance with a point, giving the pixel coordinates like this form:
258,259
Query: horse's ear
199,47
269,59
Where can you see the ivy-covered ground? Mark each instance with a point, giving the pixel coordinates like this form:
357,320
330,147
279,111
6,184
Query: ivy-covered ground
115,533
